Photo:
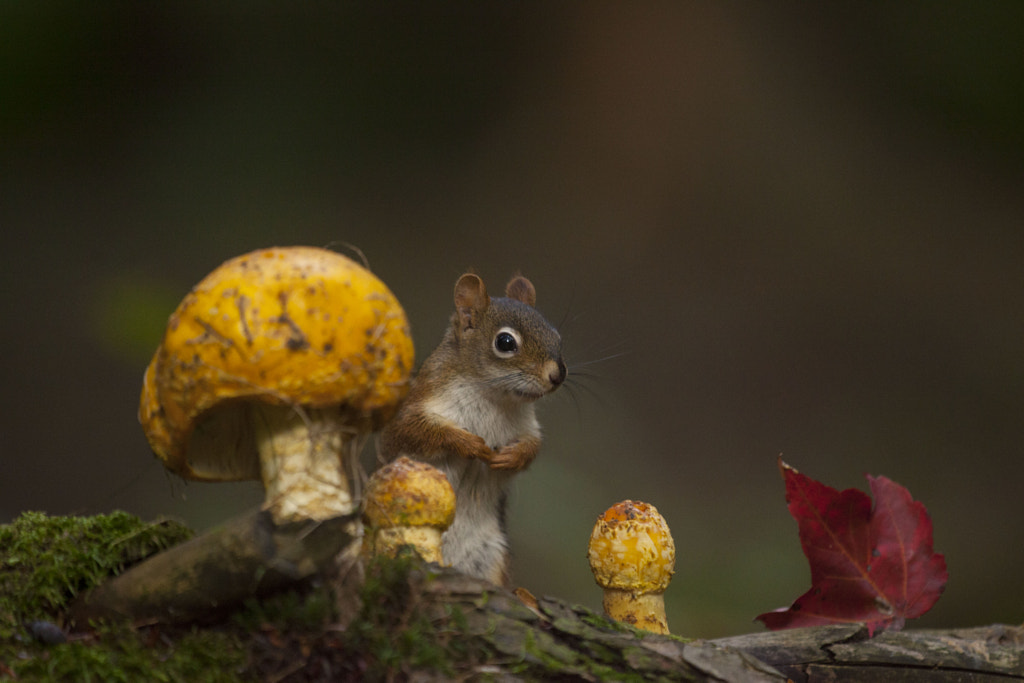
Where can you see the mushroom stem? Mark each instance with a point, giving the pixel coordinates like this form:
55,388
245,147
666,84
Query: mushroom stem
304,459
643,610
426,540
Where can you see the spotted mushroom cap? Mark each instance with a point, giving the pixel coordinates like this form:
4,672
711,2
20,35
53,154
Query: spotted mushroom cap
407,492
286,325
631,548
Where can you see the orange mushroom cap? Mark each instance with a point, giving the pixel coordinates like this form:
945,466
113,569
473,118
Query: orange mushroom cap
292,326
631,549
407,492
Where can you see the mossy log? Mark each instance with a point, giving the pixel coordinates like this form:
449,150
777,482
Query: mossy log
466,627
550,639
246,556
488,631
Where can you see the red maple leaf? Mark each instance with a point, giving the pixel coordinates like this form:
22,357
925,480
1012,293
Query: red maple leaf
874,566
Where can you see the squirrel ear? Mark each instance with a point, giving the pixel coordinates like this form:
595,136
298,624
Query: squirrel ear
521,289
471,300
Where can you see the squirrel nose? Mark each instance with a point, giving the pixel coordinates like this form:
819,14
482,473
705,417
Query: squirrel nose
556,375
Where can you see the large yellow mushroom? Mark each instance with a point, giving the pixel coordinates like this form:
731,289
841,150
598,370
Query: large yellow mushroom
272,368
633,557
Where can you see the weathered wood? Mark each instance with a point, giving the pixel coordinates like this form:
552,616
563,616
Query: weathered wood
558,639
246,556
553,640
845,653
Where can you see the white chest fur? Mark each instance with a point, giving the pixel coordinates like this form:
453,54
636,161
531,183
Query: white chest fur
476,543
498,423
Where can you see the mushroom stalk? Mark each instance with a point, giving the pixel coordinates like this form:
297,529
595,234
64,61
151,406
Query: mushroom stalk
305,461
426,541
643,610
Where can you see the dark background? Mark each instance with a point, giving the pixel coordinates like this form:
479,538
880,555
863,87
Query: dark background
797,229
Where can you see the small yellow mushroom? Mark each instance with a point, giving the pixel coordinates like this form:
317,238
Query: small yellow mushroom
275,367
407,503
633,557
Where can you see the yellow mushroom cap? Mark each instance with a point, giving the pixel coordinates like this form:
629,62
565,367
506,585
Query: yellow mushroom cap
287,326
407,492
631,549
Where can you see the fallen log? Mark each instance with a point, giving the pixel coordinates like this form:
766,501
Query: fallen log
486,630
249,555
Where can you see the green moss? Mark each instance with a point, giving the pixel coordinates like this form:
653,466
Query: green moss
389,630
116,652
46,561
401,628
602,621
391,634
301,611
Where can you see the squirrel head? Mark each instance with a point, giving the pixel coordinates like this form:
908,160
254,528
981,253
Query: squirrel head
505,341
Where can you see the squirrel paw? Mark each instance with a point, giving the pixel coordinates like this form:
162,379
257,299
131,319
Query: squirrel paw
472,446
516,456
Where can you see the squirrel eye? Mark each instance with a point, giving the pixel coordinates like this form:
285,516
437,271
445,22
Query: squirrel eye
506,343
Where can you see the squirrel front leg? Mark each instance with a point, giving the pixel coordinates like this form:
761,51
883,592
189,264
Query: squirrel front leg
517,455
426,436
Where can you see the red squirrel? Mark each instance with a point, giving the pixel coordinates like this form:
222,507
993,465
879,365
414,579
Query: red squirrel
470,412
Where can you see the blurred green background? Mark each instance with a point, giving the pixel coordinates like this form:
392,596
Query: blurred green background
797,229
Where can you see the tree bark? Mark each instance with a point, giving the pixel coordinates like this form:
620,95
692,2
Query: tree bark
548,639
845,653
